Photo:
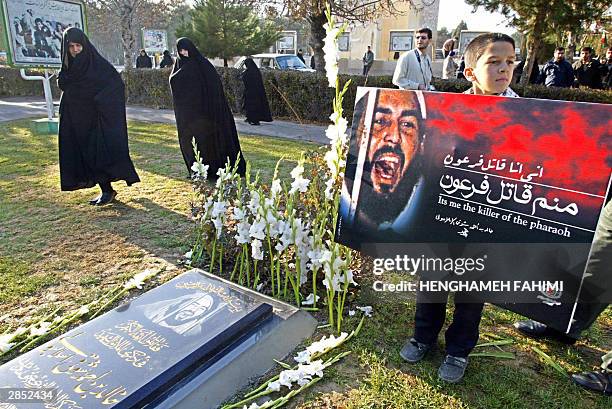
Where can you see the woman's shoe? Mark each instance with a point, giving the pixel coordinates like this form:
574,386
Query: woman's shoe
106,198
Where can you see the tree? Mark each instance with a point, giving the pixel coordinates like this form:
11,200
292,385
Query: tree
442,36
457,31
227,28
130,16
538,18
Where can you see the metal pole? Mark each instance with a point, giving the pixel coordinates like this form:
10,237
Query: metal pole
46,80
48,95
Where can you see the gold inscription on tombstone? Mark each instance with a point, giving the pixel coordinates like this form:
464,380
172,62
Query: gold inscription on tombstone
123,347
79,366
234,304
145,337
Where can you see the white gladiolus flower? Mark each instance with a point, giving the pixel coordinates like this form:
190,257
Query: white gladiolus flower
276,188
19,331
218,223
274,386
314,368
42,329
258,229
367,310
302,357
5,344
223,177
243,235
297,171
255,202
138,280
272,223
218,209
310,300
238,214
331,53
199,170
325,344
329,186
287,377
256,250
299,185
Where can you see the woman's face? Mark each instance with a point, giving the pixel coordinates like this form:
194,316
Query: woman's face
184,52
74,49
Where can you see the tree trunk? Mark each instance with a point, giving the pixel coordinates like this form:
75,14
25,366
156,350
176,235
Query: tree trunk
534,44
127,35
225,62
317,34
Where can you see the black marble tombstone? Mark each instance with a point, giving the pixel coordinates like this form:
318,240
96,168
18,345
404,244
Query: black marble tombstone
135,354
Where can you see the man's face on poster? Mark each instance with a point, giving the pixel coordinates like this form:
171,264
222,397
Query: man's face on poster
394,140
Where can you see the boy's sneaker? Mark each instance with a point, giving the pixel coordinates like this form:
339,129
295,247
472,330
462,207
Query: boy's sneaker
414,351
452,369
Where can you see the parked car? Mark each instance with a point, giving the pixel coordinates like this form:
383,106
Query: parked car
276,62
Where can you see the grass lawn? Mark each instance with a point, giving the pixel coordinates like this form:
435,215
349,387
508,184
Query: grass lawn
56,250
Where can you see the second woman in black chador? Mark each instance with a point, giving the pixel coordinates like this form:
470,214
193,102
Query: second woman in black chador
254,101
93,139
202,111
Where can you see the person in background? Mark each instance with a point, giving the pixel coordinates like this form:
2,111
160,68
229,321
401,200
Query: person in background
449,46
143,60
254,100
449,67
368,61
413,69
300,55
557,72
202,112
607,69
588,70
597,381
167,60
459,73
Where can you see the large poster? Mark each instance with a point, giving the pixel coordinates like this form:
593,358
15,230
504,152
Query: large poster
154,41
35,29
401,40
466,36
503,190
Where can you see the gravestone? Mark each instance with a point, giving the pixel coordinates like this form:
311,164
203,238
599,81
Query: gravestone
162,349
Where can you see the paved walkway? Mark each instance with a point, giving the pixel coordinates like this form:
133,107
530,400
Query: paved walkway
25,107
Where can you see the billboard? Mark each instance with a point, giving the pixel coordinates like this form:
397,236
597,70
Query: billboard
287,41
466,36
154,41
34,29
401,40
503,190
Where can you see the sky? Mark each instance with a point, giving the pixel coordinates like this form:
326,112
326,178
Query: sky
453,11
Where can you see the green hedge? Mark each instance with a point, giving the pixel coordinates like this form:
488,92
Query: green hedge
297,96
12,85
306,96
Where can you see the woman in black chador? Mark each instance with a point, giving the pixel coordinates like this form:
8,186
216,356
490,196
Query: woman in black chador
202,112
93,140
254,100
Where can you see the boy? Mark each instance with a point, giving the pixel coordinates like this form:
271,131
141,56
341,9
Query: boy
489,63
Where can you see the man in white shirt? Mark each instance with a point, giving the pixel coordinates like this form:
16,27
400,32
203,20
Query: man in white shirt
413,69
